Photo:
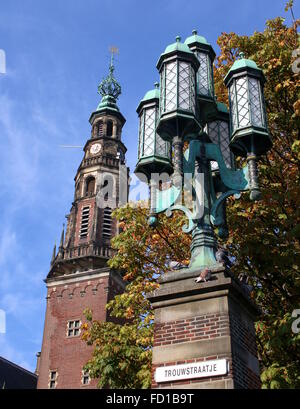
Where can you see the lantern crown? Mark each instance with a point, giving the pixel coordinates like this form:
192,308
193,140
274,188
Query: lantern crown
179,50
199,43
244,64
149,96
195,38
177,46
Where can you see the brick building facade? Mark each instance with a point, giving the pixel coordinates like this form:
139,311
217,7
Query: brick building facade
79,277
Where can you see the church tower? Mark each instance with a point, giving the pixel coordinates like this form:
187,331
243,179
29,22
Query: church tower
79,277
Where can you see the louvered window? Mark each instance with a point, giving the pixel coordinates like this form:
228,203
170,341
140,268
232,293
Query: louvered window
84,222
100,128
107,221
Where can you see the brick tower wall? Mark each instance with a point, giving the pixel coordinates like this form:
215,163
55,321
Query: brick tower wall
66,301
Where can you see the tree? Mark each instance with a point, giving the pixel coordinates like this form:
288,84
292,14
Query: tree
123,354
264,235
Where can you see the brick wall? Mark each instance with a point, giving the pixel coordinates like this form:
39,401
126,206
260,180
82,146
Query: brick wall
243,335
201,327
68,355
206,327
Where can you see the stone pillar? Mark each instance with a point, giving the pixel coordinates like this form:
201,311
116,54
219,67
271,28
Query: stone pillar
203,322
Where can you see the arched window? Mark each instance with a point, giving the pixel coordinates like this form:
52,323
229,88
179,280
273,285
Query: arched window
90,186
118,132
77,194
105,183
100,128
109,128
106,224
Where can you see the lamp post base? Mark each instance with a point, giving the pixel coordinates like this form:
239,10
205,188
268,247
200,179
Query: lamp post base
203,248
204,333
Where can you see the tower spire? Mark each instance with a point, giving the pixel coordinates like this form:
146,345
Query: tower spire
109,86
53,254
61,244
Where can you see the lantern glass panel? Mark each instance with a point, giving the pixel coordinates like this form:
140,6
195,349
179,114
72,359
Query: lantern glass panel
224,142
193,92
178,87
242,102
204,75
141,135
218,132
162,91
162,147
246,105
170,87
257,117
149,131
233,112
150,143
184,85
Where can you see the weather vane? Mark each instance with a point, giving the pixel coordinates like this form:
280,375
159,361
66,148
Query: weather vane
113,50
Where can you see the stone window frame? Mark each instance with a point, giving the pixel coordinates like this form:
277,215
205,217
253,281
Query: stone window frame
85,377
85,221
52,379
71,329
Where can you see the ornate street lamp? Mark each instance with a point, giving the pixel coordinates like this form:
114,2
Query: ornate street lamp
249,130
189,112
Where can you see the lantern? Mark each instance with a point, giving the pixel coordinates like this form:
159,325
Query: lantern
205,82
217,130
205,55
177,67
154,154
249,130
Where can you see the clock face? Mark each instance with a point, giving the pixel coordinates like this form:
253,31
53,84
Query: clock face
95,148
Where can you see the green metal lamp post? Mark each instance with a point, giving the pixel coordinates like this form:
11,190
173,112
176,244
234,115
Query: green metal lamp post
185,110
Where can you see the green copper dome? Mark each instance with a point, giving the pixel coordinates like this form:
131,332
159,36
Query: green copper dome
153,93
242,63
178,49
108,102
195,38
177,46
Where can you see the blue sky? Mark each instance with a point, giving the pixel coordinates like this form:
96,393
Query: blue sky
56,54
